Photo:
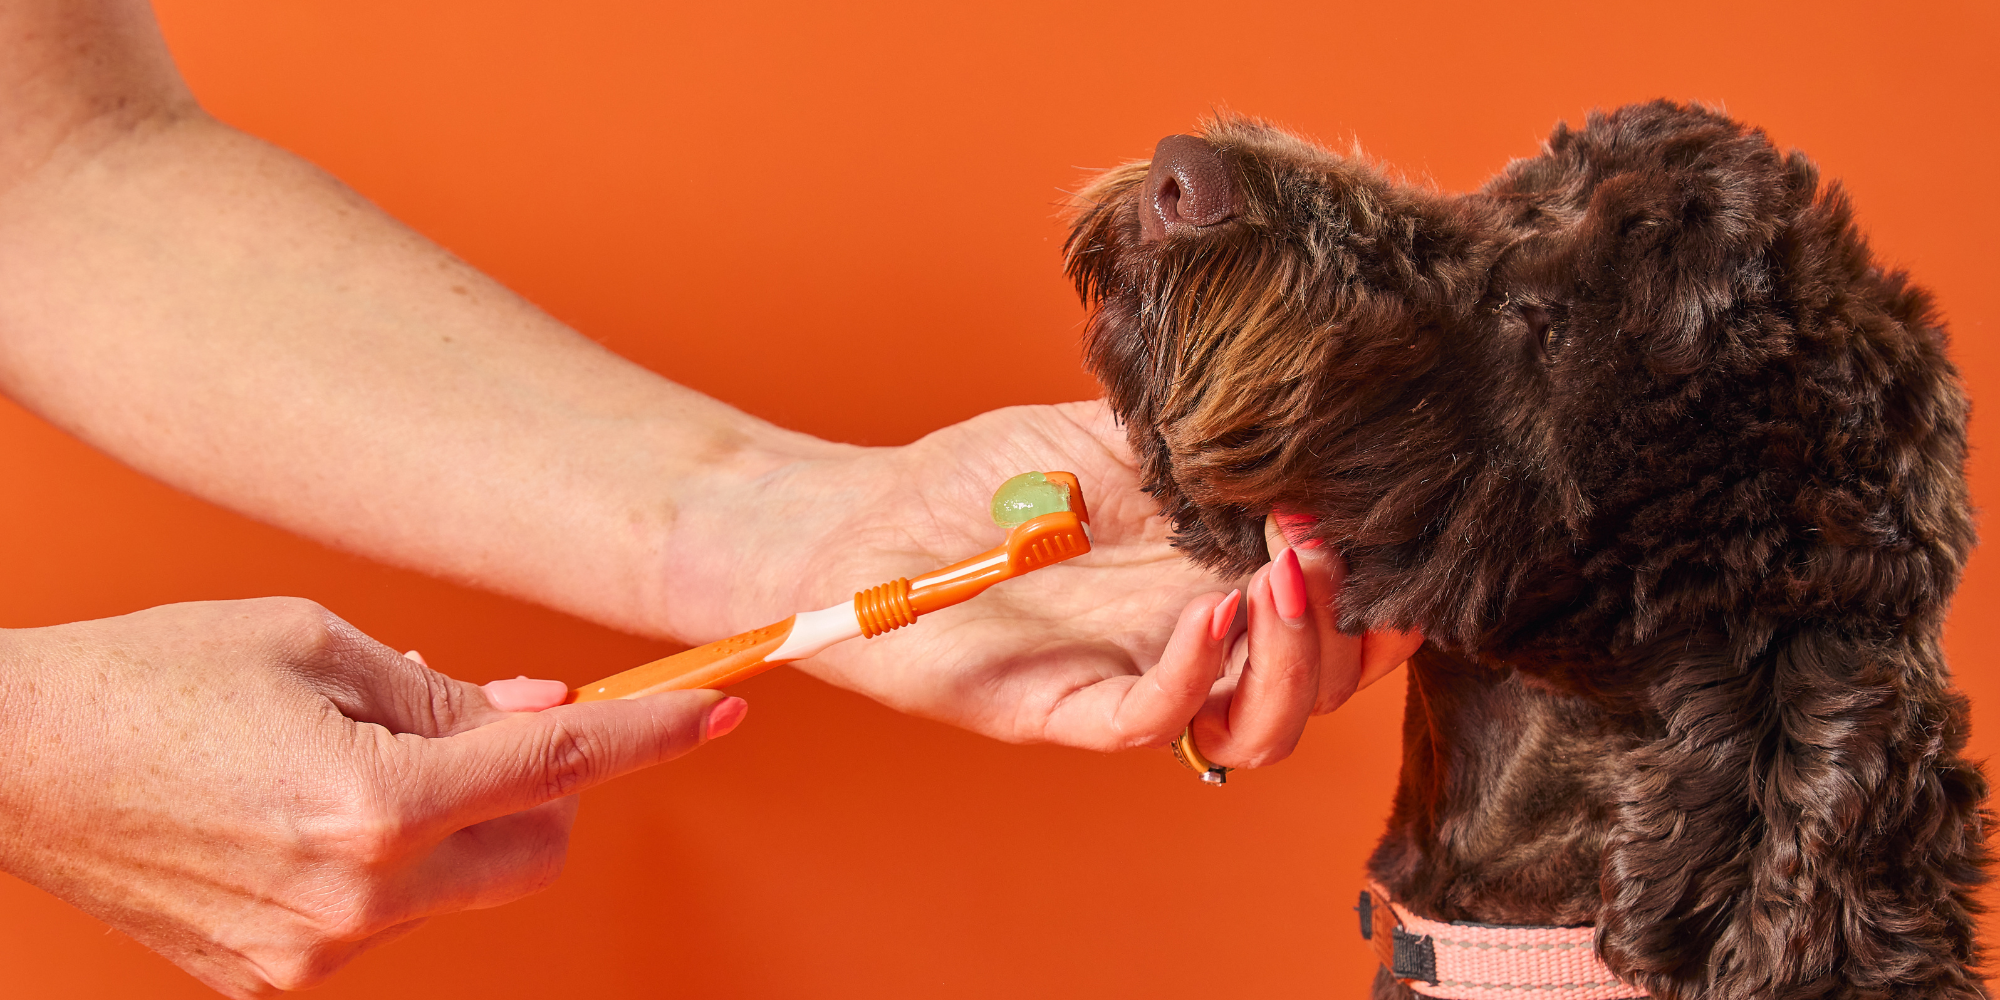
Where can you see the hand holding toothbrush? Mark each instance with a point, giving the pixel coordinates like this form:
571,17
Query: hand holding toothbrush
1117,649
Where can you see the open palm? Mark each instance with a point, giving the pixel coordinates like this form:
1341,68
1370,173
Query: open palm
1064,655
1120,648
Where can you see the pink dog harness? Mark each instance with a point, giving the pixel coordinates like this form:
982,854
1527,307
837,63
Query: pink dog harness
1484,962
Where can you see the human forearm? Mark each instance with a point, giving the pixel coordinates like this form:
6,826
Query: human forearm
221,315
225,317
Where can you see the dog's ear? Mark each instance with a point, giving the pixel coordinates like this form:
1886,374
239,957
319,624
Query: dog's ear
1802,826
1683,211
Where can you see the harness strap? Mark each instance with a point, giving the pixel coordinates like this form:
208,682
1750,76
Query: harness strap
1460,961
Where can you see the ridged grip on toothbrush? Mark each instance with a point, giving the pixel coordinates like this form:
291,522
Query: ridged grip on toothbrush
1046,549
884,608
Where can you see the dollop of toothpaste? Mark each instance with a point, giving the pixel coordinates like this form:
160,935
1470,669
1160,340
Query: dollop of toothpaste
1028,496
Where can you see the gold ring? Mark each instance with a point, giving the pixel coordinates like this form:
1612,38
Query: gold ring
1190,757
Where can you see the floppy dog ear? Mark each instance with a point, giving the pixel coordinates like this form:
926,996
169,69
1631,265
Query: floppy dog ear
1678,243
1802,826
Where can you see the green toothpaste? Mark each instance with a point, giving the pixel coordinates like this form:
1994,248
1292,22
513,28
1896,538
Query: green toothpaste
1028,496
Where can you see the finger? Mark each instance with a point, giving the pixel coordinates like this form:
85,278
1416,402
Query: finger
1274,537
334,955
1344,668
382,937
495,862
1340,654
308,968
522,761
281,962
1120,713
1383,651
1287,530
1279,685
369,682
524,694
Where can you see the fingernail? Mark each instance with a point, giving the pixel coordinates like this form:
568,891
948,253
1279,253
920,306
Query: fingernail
419,657
1224,616
522,694
1288,586
1297,529
725,716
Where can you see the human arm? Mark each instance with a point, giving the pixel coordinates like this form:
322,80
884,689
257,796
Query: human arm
225,317
221,315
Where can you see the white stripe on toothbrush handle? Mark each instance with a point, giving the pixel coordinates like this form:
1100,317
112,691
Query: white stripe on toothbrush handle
814,631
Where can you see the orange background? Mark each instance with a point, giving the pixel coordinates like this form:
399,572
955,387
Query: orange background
731,193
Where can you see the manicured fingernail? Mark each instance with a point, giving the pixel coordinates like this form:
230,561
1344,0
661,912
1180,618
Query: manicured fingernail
1288,586
1297,529
1224,616
725,716
414,655
523,694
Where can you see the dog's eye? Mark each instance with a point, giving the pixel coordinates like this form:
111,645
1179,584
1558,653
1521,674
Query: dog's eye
1543,330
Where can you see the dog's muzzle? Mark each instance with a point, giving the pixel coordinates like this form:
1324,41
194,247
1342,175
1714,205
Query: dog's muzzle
1463,961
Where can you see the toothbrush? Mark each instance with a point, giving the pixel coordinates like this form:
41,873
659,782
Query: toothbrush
1047,522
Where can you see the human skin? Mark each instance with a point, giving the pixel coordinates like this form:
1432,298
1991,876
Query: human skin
259,792
223,316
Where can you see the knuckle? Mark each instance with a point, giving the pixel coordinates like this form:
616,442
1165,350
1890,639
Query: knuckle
445,701
1290,667
568,761
358,916
353,907
299,625
301,968
1155,733
545,867
541,850
304,611
1264,756
366,833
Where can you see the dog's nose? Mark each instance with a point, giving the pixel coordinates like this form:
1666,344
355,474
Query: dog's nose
1187,188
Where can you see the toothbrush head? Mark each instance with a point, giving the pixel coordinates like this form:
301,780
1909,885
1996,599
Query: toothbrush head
1047,518
1047,522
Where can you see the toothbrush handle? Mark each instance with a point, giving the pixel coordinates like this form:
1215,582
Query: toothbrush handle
1031,545
717,664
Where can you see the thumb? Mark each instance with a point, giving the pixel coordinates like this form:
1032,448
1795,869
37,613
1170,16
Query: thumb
1384,651
523,761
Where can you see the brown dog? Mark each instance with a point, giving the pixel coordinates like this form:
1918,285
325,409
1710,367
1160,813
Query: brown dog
1666,468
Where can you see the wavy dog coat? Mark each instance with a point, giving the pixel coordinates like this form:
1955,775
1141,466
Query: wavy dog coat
1666,468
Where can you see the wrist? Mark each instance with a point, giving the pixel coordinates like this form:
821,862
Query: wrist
26,763
746,530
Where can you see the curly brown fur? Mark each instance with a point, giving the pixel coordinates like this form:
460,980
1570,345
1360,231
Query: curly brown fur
1669,472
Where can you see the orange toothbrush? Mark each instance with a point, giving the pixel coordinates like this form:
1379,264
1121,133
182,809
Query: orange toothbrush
1036,539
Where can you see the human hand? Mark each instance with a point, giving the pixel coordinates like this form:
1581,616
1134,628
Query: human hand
1112,650
1287,660
259,792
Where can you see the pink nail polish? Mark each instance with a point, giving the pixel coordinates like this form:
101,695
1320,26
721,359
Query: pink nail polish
1297,529
1288,586
725,716
521,694
1224,616
414,655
